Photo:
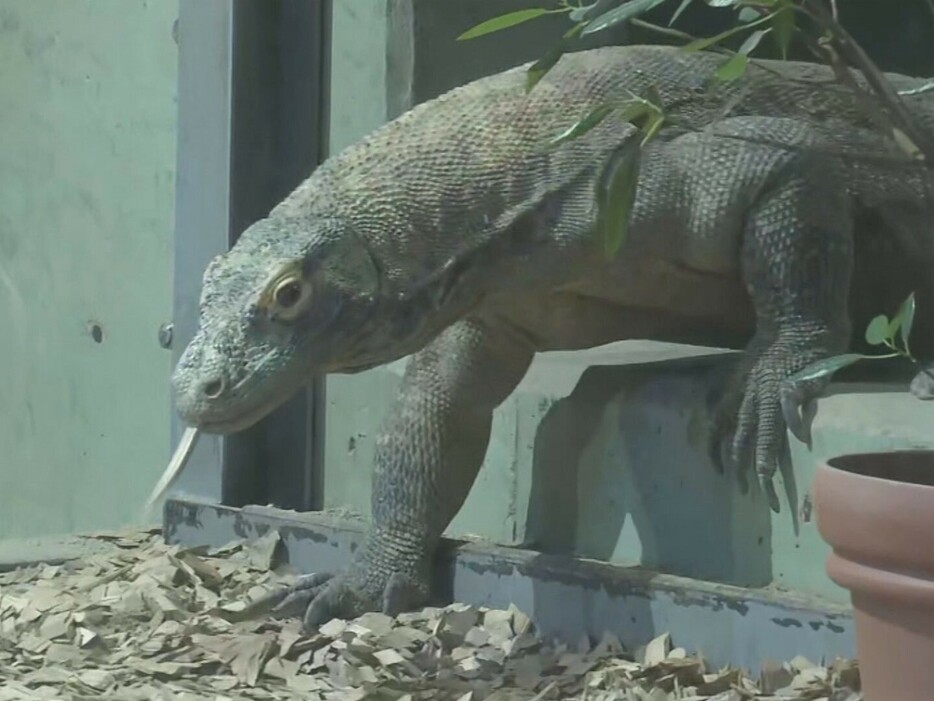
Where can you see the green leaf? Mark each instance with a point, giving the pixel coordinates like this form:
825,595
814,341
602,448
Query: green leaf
681,8
732,68
827,367
540,68
653,128
585,123
748,14
783,24
623,13
877,332
905,320
756,4
585,12
637,113
510,19
721,3
752,41
619,194
908,147
579,14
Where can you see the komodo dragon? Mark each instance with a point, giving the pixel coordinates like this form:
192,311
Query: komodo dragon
769,215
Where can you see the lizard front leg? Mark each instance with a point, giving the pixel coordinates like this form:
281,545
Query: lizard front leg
797,260
427,458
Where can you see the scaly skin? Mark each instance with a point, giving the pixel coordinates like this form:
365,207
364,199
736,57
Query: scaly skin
457,234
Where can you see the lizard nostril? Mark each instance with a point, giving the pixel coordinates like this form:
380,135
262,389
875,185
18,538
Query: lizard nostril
212,389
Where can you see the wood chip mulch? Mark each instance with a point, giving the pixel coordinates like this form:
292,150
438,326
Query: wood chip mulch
151,622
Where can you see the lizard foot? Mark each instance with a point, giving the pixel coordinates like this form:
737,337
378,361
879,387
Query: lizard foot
320,597
768,403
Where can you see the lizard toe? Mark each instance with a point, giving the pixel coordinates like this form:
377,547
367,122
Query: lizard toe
799,408
744,437
771,404
722,435
718,442
296,598
769,444
403,594
349,596
340,597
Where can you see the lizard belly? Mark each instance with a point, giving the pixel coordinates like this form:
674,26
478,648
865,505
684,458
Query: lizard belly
653,300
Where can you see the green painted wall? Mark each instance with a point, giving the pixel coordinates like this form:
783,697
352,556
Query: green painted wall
87,159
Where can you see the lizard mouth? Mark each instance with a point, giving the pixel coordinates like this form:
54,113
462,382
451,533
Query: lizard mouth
231,425
223,418
354,368
240,415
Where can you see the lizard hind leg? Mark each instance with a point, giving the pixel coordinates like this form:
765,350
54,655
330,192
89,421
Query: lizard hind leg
797,260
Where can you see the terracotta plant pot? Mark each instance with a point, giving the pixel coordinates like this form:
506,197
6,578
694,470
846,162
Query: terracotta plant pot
876,511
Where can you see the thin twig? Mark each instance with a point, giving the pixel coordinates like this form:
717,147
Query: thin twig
865,99
847,51
675,33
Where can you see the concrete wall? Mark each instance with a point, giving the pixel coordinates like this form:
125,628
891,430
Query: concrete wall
87,160
599,453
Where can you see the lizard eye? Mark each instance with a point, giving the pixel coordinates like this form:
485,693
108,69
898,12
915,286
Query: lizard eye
289,296
288,293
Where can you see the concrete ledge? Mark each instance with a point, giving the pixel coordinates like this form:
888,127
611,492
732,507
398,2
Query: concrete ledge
602,454
566,597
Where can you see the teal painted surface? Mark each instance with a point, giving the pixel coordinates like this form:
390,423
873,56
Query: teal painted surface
357,106
855,418
87,158
358,70
619,471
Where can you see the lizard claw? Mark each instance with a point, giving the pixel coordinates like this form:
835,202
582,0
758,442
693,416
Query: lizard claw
722,453
768,488
720,440
717,448
352,594
758,436
296,598
321,596
799,407
287,601
769,404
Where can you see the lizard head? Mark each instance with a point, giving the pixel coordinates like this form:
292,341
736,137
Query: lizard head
287,302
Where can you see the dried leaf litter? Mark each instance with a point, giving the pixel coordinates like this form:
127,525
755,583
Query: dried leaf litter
154,622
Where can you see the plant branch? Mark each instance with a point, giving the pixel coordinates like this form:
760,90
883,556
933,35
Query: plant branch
675,33
841,49
678,34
